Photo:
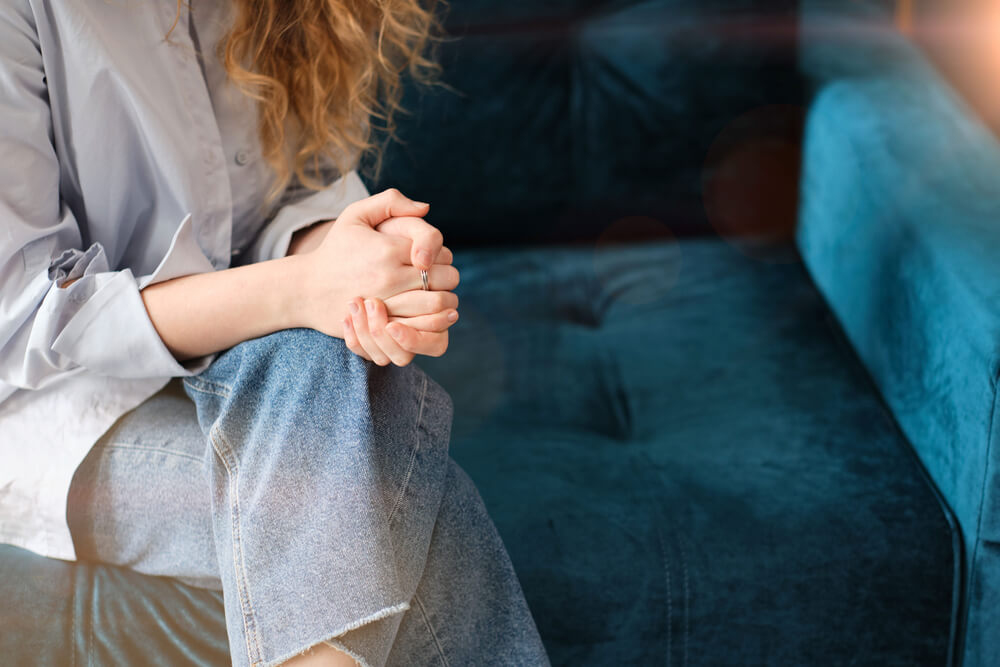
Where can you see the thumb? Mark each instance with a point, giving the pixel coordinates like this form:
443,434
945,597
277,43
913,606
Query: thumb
382,206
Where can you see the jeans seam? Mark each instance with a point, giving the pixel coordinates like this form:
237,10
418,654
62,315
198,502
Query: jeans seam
413,454
430,629
239,567
208,387
158,450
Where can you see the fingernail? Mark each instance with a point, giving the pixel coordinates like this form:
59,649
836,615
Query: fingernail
452,316
353,305
370,306
424,257
394,331
421,203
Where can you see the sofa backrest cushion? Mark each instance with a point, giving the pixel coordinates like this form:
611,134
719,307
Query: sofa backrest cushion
572,114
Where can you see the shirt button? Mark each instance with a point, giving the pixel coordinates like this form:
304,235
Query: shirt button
242,158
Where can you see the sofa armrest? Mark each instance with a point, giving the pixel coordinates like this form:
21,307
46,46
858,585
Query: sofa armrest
899,226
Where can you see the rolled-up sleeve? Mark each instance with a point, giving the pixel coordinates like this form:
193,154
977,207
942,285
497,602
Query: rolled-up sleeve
298,210
49,329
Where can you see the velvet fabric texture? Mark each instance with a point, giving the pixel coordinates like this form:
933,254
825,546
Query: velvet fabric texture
900,226
685,460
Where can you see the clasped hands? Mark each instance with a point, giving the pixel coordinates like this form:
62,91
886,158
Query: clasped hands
366,286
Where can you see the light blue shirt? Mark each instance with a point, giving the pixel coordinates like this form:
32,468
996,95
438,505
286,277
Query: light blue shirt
124,163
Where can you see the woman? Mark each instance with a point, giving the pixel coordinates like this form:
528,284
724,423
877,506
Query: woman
189,384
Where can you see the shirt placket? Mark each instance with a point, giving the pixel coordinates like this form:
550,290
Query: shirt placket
212,214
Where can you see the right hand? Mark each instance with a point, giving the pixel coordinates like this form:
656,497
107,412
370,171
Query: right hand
355,260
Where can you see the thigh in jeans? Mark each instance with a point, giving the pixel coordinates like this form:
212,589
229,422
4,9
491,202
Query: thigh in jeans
140,499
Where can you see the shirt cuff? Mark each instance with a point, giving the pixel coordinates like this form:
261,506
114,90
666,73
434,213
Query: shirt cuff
327,204
111,334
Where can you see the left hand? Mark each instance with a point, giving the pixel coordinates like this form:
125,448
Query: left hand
371,333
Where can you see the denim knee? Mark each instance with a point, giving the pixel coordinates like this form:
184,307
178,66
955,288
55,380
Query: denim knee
329,471
302,387
286,371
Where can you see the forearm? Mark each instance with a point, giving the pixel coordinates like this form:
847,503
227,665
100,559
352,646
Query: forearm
205,313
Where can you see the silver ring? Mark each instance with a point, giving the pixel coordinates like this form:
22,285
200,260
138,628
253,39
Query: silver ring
423,279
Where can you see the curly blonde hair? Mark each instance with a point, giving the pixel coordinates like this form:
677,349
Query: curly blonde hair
321,70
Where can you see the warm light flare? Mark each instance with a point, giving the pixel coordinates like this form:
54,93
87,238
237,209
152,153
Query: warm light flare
962,38
904,16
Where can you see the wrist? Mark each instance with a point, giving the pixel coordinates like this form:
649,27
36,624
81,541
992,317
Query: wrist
291,299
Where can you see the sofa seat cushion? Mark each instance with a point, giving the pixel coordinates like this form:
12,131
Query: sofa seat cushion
687,465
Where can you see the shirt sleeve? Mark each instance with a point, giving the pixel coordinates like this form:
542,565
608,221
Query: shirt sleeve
48,329
298,210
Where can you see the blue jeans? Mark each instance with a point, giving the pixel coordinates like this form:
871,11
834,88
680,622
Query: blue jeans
315,490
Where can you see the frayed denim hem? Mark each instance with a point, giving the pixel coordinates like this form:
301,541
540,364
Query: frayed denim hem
331,638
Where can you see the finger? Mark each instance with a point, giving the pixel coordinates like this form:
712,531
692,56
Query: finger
403,246
420,302
431,322
427,239
378,318
430,343
443,277
382,206
440,277
360,320
351,339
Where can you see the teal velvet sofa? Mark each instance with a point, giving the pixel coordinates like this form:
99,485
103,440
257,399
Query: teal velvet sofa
900,229
704,440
